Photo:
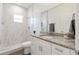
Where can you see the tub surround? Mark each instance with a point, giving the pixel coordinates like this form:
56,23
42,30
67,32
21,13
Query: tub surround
17,47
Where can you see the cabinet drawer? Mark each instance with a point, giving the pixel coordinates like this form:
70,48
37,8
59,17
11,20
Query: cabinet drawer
59,50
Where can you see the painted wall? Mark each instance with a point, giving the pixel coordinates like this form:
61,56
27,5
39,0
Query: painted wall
0,20
77,28
14,33
1,25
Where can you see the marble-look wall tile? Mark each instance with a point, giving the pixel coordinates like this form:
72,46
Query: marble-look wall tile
14,33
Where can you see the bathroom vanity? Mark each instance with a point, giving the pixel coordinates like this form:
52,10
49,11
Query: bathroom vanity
52,45
56,20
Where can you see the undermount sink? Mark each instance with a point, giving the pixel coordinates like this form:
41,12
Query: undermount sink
47,37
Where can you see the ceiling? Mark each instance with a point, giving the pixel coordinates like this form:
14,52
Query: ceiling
41,5
46,6
25,5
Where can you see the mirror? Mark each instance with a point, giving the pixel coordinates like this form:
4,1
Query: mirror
44,22
60,16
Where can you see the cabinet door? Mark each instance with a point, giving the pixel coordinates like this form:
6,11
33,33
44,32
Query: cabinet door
35,47
59,50
45,47
72,52
40,47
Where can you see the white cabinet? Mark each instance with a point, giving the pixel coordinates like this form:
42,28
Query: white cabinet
40,47
59,50
46,47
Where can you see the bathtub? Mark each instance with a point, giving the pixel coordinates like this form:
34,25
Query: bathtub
9,50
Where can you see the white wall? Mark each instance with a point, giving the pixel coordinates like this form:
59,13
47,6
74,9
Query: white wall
0,20
62,16
14,33
1,25
77,28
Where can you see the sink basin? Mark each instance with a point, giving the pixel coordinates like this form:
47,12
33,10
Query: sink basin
47,37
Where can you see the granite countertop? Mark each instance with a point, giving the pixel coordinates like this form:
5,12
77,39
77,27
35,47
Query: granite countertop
62,41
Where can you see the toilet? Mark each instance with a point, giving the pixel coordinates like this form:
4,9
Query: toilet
26,46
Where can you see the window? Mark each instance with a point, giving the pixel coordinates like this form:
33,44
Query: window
18,18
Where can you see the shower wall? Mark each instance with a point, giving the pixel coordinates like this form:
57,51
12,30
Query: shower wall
14,32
